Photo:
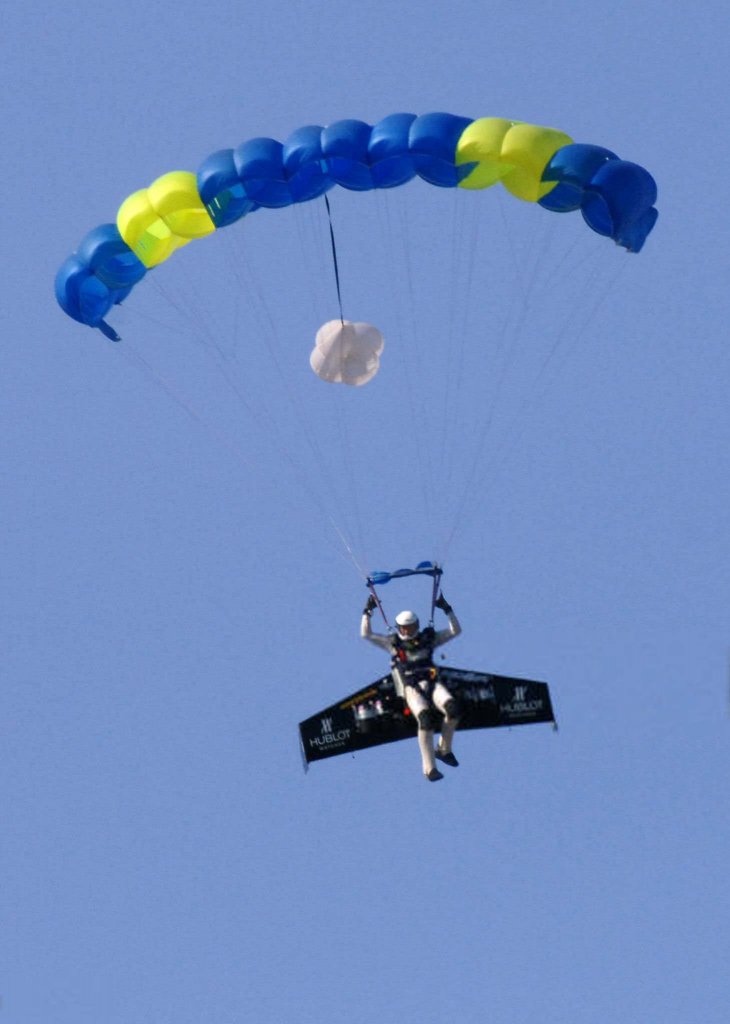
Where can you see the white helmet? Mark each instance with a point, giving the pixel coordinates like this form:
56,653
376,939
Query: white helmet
407,625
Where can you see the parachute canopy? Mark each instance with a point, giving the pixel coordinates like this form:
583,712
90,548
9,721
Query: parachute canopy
347,352
536,164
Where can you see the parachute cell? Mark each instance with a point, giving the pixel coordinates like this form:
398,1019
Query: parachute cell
616,197
157,220
510,152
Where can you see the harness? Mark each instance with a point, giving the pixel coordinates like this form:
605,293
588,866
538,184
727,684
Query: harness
413,660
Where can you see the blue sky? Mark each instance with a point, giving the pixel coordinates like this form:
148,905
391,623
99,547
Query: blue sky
175,600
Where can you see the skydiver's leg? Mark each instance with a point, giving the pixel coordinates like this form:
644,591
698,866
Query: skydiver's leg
420,708
425,744
447,737
448,706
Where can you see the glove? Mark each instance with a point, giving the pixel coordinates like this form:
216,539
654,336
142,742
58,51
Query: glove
370,606
443,604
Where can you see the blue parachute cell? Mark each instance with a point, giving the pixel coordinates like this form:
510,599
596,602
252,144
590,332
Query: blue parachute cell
305,165
615,196
345,150
108,257
432,141
221,189
260,167
85,297
618,197
573,167
389,154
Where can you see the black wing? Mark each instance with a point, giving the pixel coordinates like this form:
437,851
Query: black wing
377,715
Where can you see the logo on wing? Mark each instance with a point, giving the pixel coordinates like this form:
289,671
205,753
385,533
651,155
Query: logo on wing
329,737
520,704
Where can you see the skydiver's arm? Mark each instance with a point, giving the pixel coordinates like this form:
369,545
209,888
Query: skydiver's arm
366,632
444,635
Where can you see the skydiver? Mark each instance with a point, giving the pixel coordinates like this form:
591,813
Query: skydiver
416,678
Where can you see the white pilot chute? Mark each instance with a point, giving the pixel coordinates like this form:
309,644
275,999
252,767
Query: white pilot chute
347,352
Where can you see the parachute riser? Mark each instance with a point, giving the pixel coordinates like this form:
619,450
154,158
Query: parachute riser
435,592
373,591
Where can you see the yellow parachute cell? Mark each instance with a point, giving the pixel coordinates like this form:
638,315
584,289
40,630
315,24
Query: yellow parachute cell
512,152
157,220
481,143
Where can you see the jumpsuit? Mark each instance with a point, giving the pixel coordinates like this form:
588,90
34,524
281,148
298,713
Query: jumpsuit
417,681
